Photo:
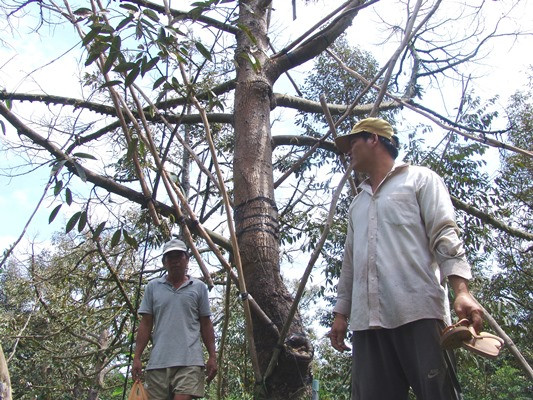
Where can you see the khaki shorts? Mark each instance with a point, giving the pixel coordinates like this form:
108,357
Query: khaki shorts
177,380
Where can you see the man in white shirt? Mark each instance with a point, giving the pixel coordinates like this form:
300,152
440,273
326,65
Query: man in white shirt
402,245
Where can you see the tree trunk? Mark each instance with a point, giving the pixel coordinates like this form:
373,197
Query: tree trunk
256,215
5,381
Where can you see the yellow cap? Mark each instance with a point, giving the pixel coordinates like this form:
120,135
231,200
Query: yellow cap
373,125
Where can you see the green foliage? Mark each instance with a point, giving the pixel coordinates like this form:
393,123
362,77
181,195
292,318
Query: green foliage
486,381
333,370
64,320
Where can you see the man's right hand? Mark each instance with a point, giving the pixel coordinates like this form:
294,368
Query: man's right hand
337,334
137,369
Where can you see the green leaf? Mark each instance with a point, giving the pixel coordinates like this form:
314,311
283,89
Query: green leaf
9,104
145,67
110,83
68,196
109,61
115,239
93,55
98,231
57,188
253,62
53,214
88,38
106,28
84,155
142,148
132,146
130,240
159,82
57,166
173,177
72,221
114,52
248,33
151,32
151,14
201,48
80,171
82,11
130,78
82,221
116,44
129,7
124,22
124,66
138,30
175,83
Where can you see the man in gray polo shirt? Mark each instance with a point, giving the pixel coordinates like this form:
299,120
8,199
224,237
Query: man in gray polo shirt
175,312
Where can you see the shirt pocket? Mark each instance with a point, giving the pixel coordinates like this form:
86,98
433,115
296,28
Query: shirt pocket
401,209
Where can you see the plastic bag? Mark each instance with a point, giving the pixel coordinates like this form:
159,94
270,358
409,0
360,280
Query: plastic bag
138,392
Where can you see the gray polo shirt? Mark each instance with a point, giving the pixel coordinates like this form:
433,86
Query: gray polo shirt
176,332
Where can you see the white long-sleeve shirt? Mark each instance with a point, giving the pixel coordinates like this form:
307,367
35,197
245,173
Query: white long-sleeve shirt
402,242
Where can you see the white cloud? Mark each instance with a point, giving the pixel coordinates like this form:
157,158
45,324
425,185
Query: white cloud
20,197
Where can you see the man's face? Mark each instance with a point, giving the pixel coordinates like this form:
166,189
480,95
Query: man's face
176,261
359,153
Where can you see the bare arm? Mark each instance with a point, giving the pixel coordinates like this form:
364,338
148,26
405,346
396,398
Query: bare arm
465,305
143,336
208,337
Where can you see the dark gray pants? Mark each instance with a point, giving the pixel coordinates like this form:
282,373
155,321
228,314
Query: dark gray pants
386,362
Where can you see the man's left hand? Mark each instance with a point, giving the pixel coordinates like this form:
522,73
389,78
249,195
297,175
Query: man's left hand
466,306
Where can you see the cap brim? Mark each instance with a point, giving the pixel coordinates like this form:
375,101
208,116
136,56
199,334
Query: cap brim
343,142
174,249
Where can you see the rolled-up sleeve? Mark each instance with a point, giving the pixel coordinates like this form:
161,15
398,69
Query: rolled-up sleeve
439,218
345,283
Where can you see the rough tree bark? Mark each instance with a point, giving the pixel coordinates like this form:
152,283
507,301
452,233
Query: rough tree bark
5,381
256,214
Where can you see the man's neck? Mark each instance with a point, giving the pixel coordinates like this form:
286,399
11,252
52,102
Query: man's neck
177,279
379,172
